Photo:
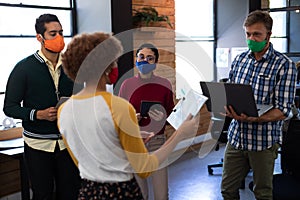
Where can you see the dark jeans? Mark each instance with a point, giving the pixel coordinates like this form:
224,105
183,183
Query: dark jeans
49,169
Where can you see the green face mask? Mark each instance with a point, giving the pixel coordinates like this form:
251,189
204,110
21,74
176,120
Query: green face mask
256,46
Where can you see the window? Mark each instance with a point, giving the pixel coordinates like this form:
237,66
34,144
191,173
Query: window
194,44
285,33
54,3
17,33
279,32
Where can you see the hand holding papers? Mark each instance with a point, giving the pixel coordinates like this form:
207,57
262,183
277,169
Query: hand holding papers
190,104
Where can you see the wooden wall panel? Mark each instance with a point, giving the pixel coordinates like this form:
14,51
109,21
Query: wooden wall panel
148,35
9,175
155,3
164,39
166,44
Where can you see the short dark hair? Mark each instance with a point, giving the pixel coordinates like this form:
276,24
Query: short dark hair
42,20
149,46
259,16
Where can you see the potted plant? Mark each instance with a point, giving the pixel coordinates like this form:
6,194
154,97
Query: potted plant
146,16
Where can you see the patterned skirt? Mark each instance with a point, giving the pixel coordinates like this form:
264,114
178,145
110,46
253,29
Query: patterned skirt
109,191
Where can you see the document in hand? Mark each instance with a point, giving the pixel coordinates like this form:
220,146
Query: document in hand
190,104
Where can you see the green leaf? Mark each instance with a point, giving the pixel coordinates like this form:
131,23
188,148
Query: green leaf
147,15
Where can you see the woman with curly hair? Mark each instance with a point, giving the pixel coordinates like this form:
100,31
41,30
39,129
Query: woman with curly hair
101,130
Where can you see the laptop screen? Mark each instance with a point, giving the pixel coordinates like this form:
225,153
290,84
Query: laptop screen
239,96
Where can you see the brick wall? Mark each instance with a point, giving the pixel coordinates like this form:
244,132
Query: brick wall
164,38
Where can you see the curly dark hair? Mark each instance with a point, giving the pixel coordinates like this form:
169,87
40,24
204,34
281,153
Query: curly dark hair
89,54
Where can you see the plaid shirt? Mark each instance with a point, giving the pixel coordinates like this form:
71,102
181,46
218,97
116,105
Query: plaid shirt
273,79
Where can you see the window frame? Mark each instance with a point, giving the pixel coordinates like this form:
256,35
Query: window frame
286,9
197,39
72,10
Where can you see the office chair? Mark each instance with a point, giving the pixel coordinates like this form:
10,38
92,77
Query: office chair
219,132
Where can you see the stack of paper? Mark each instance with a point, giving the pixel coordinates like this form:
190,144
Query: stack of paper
190,104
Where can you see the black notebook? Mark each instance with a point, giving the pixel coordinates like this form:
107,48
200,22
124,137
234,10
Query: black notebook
146,106
239,96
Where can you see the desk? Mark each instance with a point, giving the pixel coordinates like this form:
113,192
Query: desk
14,149
11,133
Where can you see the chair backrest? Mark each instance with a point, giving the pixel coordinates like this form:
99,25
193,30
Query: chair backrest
221,124
219,128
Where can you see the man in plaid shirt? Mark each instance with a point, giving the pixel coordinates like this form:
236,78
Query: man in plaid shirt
253,141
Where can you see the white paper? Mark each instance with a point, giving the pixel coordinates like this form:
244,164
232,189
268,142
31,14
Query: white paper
222,56
190,104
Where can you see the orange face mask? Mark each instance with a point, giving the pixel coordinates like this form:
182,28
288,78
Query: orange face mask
56,45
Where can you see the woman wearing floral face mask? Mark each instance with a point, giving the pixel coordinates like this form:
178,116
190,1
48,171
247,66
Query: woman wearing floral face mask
147,86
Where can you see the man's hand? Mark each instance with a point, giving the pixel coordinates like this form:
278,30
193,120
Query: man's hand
49,114
243,118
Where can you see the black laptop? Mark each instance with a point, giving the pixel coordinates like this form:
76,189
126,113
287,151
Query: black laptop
239,96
